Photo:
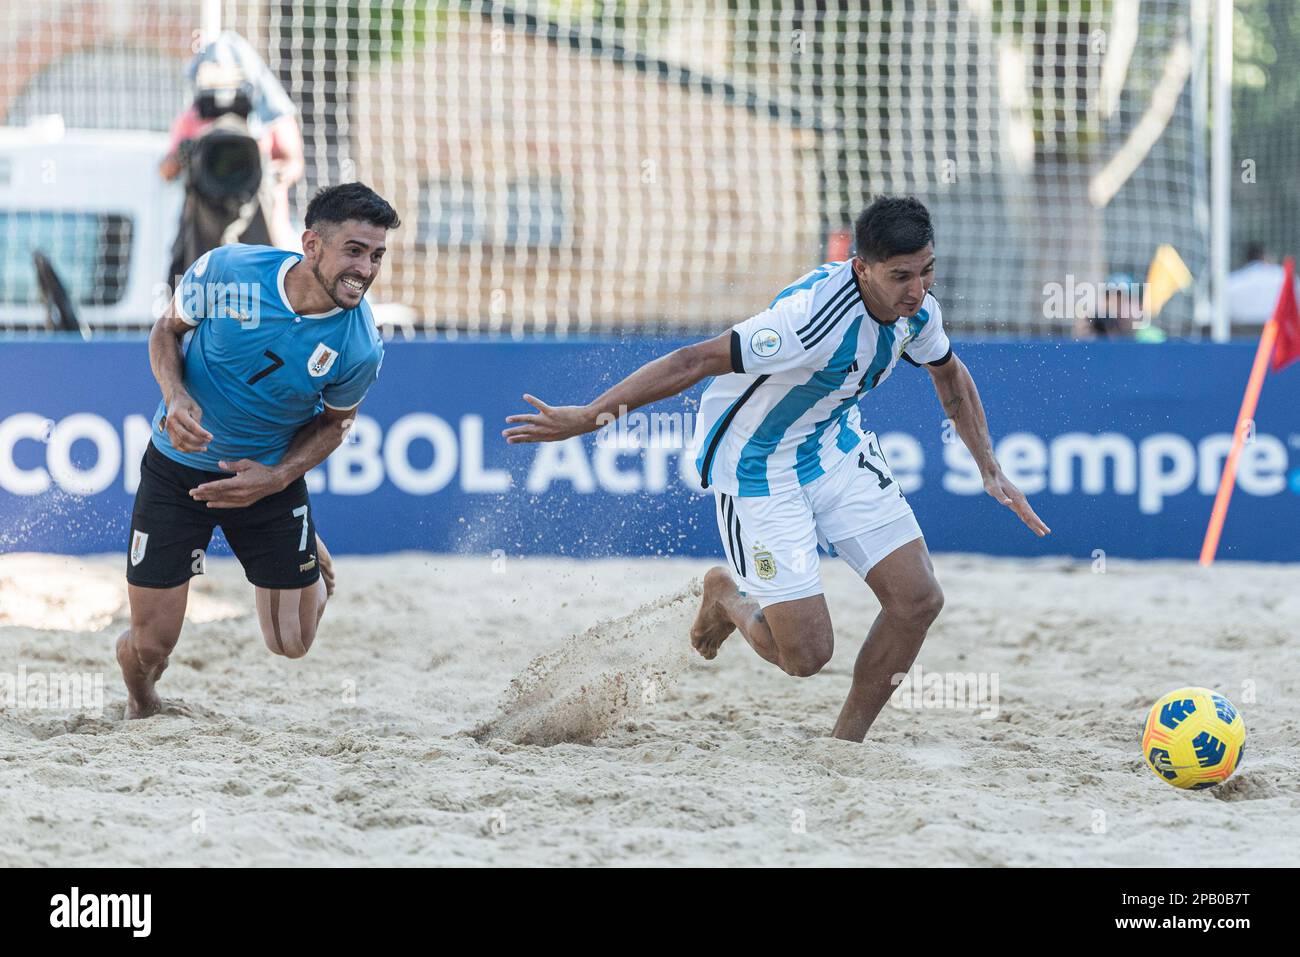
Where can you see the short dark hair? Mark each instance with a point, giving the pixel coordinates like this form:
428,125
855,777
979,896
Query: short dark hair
892,226
338,204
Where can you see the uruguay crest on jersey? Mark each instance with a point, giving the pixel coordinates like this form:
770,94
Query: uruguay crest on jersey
321,360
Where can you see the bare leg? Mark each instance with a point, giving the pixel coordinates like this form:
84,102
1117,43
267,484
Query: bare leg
796,636
157,615
326,562
289,616
910,600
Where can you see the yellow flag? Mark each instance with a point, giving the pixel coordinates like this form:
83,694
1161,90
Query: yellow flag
1167,275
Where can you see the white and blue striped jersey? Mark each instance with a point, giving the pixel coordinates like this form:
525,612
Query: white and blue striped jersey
788,412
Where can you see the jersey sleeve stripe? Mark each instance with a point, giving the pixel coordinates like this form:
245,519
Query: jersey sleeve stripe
826,308
846,309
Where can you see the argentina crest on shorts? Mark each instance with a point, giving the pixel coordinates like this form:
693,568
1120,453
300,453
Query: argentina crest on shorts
765,564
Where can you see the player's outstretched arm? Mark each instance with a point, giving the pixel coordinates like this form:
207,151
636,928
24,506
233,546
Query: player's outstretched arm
168,364
658,379
961,403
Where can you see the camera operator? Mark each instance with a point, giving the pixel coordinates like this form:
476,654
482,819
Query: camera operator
238,104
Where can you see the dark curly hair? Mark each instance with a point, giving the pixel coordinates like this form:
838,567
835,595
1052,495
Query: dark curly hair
892,226
338,204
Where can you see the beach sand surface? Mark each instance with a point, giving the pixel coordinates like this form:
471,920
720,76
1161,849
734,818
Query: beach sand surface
529,711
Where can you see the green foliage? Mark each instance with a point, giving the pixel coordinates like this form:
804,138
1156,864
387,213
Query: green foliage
1037,16
1265,46
1266,124
368,30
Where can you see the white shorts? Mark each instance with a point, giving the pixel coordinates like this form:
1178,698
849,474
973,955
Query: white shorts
855,512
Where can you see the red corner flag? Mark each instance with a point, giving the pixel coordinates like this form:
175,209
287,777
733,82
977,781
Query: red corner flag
1287,319
1281,338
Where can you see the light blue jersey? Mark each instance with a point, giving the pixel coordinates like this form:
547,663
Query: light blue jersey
258,370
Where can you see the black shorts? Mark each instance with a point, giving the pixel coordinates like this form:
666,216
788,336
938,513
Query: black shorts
274,538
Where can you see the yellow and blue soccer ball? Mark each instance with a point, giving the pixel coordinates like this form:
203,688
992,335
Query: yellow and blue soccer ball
1194,738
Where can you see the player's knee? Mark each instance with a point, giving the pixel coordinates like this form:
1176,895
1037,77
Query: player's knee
932,603
288,644
808,659
804,665
290,640
922,607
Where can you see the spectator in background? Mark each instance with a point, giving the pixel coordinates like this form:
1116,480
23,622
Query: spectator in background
1118,310
229,63
1253,289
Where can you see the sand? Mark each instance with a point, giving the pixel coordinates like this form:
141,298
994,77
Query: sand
461,710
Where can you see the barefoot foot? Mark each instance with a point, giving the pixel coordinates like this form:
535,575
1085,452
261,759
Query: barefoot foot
712,626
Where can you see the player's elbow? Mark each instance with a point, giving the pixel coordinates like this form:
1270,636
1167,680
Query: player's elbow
170,324
336,425
159,335
711,357
948,376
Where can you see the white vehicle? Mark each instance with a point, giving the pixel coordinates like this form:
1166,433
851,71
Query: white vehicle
92,201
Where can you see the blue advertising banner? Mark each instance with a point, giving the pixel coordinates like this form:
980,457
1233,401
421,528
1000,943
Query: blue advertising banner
1119,446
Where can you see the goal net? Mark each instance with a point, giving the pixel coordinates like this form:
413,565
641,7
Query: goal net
582,167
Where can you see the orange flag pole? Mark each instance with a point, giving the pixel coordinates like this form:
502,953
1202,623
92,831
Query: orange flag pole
1249,402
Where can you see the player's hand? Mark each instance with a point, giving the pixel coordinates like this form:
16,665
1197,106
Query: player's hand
252,481
183,428
550,423
1002,489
